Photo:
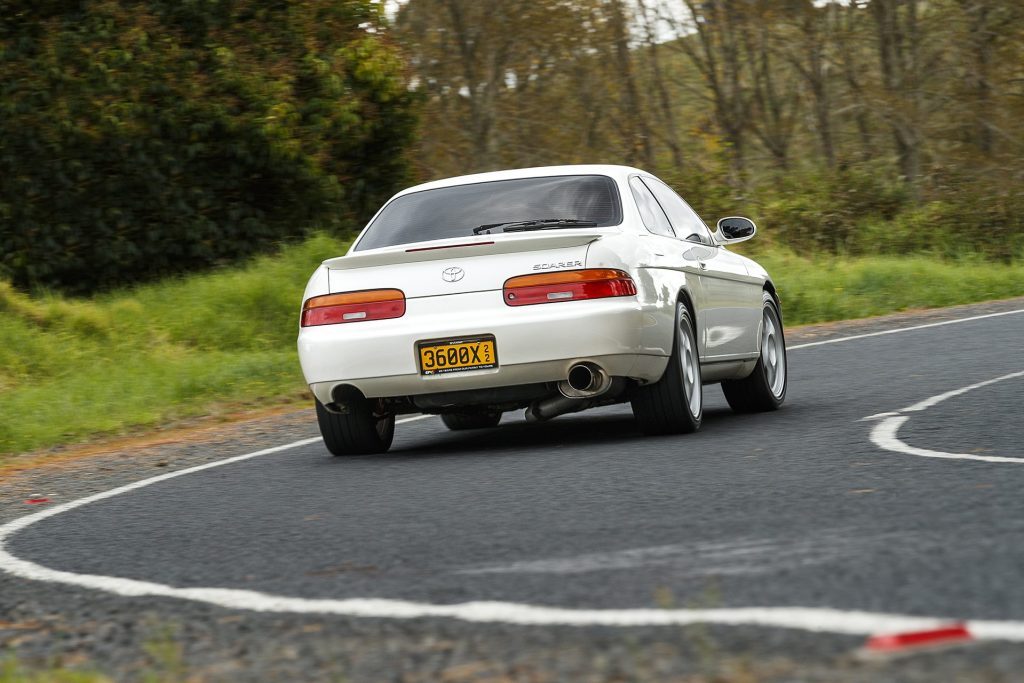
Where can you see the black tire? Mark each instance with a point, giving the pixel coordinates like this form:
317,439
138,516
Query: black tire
358,432
482,420
674,404
764,389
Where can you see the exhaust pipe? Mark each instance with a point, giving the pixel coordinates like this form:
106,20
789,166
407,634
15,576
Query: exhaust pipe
547,408
585,380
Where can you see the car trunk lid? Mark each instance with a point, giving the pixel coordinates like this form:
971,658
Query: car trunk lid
458,266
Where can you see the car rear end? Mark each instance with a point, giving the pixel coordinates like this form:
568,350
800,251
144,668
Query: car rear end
490,318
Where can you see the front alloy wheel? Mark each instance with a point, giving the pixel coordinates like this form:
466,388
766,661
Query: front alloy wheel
765,388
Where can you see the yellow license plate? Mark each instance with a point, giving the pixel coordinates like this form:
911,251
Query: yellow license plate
457,355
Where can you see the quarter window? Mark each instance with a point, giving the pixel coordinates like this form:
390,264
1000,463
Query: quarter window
650,211
687,224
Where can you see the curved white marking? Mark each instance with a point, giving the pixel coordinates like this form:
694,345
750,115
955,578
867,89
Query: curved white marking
820,620
904,329
814,619
884,434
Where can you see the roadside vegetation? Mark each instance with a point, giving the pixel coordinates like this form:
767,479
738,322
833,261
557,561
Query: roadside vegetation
186,346
11,672
71,369
151,151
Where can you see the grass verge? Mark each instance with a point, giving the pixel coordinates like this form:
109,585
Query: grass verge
74,368
822,289
71,369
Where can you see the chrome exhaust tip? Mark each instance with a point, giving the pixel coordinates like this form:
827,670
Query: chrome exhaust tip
585,380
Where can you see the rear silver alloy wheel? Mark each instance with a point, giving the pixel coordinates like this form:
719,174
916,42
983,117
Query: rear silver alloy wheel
690,365
674,404
765,388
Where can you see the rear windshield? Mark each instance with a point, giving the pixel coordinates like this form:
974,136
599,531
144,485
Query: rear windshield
455,211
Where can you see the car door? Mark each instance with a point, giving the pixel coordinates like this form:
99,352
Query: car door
731,297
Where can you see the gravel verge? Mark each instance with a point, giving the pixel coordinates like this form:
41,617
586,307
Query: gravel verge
43,625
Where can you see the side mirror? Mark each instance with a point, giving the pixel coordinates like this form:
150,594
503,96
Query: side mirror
733,229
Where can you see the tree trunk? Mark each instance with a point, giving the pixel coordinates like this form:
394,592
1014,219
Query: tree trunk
639,143
898,47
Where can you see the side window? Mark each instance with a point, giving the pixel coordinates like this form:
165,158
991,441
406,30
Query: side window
685,220
651,213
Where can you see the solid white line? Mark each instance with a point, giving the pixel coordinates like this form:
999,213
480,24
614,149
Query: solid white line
884,434
903,329
821,620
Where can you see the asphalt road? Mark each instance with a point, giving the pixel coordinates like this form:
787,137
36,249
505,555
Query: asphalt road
794,508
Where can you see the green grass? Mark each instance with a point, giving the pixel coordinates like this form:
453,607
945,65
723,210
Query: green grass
70,369
823,288
77,368
12,672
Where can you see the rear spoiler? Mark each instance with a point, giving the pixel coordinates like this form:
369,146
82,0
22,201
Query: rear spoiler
482,245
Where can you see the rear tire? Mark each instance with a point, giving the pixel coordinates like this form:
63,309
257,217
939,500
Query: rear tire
765,389
358,432
459,421
674,404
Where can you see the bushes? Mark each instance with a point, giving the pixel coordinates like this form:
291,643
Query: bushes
863,213
828,211
142,139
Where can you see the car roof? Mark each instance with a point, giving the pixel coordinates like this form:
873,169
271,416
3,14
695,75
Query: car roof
612,170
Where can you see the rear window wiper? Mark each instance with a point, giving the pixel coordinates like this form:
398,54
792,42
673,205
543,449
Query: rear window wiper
535,224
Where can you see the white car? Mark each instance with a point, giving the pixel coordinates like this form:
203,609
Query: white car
552,289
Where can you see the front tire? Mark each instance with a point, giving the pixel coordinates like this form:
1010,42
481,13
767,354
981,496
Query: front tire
765,389
357,432
675,403
459,421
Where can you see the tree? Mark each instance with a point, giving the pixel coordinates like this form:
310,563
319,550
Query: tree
139,139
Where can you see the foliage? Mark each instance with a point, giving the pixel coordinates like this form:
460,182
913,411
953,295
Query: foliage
844,127
12,672
826,211
213,342
139,139
70,368
823,288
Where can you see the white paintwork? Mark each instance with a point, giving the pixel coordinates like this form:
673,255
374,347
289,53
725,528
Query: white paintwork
628,336
884,434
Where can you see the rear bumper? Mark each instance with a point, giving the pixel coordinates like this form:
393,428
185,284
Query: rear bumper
534,344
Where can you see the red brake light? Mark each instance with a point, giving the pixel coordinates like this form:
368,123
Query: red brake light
567,285
353,307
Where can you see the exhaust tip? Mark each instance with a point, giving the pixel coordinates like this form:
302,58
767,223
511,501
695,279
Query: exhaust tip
584,380
581,378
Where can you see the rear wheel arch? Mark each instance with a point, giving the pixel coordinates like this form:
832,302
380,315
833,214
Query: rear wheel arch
769,287
684,298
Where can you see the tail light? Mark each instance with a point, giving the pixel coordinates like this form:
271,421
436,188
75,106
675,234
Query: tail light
353,307
567,285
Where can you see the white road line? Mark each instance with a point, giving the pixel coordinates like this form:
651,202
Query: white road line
813,619
884,434
903,329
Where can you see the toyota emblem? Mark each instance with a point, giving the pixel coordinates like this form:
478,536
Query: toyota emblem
453,274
